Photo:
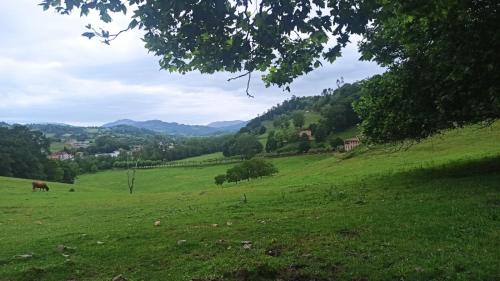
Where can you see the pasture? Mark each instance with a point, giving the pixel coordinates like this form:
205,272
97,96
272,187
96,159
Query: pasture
427,212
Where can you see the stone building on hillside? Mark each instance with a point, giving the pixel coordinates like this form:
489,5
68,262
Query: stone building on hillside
308,133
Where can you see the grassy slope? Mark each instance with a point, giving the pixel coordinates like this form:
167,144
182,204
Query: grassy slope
211,156
369,216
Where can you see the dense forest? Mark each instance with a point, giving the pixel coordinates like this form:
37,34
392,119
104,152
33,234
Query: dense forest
23,154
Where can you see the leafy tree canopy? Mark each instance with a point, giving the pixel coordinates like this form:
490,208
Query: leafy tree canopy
284,38
244,145
249,169
444,68
298,119
442,55
23,153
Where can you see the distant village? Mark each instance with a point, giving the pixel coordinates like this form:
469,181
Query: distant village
73,144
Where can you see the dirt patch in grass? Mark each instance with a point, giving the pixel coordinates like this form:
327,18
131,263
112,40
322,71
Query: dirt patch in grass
33,274
295,272
348,233
274,251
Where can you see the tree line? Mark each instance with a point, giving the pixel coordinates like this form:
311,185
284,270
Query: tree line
249,169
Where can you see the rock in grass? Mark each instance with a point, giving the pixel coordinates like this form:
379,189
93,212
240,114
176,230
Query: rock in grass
62,248
180,242
247,245
274,252
24,256
157,223
119,278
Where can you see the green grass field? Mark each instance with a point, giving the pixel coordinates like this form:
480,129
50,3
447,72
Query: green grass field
427,212
56,146
206,157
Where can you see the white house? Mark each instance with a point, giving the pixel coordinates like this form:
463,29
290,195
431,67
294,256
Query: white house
62,156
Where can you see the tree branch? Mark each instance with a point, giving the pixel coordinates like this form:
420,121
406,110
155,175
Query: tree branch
238,77
249,74
248,84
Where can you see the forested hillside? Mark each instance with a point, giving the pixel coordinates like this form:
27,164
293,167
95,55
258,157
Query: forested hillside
23,154
326,117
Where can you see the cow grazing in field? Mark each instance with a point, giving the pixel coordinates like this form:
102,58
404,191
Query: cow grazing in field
40,185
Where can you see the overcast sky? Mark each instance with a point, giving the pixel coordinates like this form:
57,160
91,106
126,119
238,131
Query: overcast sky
50,73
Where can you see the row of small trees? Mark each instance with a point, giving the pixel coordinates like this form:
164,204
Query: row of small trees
250,169
245,145
141,163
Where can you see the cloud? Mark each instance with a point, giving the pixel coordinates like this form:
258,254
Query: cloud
50,73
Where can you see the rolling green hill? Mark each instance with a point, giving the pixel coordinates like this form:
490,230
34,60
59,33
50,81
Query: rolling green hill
425,212
328,116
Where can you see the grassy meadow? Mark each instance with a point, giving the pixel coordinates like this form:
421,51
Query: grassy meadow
430,211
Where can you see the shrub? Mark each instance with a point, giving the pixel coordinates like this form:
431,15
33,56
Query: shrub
249,169
335,143
235,174
245,145
220,179
262,130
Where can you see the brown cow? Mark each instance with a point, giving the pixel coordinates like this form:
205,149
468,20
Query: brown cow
40,185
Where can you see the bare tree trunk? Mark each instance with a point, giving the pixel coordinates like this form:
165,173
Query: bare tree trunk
131,178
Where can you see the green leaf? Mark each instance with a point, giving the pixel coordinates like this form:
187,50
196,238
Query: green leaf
88,34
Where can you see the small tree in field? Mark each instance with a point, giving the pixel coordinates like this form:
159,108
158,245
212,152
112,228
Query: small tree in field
264,168
250,169
220,179
131,174
235,174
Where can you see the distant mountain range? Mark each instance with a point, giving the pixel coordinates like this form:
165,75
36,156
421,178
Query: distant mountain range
225,124
147,127
173,128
